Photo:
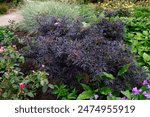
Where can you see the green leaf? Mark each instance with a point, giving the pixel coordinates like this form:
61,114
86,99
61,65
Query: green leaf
127,94
85,24
85,95
144,88
43,82
123,70
145,33
51,86
30,94
44,88
106,75
72,95
105,90
146,57
85,87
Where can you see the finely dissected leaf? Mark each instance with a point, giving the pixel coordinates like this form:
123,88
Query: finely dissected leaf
123,70
85,87
127,94
105,90
106,75
30,94
146,57
85,95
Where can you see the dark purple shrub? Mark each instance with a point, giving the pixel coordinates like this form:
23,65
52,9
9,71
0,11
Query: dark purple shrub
65,48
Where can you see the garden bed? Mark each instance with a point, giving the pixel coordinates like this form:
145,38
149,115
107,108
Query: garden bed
89,52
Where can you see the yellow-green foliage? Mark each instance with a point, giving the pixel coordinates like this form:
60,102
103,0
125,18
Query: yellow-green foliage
3,8
115,4
122,4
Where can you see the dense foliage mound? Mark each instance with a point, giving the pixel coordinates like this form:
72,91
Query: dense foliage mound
65,48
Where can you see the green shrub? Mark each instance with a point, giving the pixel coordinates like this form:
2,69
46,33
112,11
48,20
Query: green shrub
3,8
33,10
13,83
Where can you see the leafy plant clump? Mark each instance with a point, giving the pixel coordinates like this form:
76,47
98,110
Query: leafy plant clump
14,84
65,49
3,8
137,35
34,9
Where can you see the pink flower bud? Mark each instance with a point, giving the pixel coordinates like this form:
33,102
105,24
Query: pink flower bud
14,46
21,85
2,50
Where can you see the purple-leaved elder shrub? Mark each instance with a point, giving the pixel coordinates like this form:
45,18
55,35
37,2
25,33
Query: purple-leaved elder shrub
65,48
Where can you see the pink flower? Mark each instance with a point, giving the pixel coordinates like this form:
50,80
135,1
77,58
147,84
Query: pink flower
136,91
96,96
109,94
147,95
2,50
15,47
144,92
148,86
21,85
145,82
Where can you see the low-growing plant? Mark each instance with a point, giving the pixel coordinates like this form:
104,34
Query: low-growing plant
7,37
63,92
13,83
137,35
102,92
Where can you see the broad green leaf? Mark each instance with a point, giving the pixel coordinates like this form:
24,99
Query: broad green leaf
30,94
51,86
106,75
105,90
146,57
127,94
85,87
123,70
44,81
85,95
145,33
